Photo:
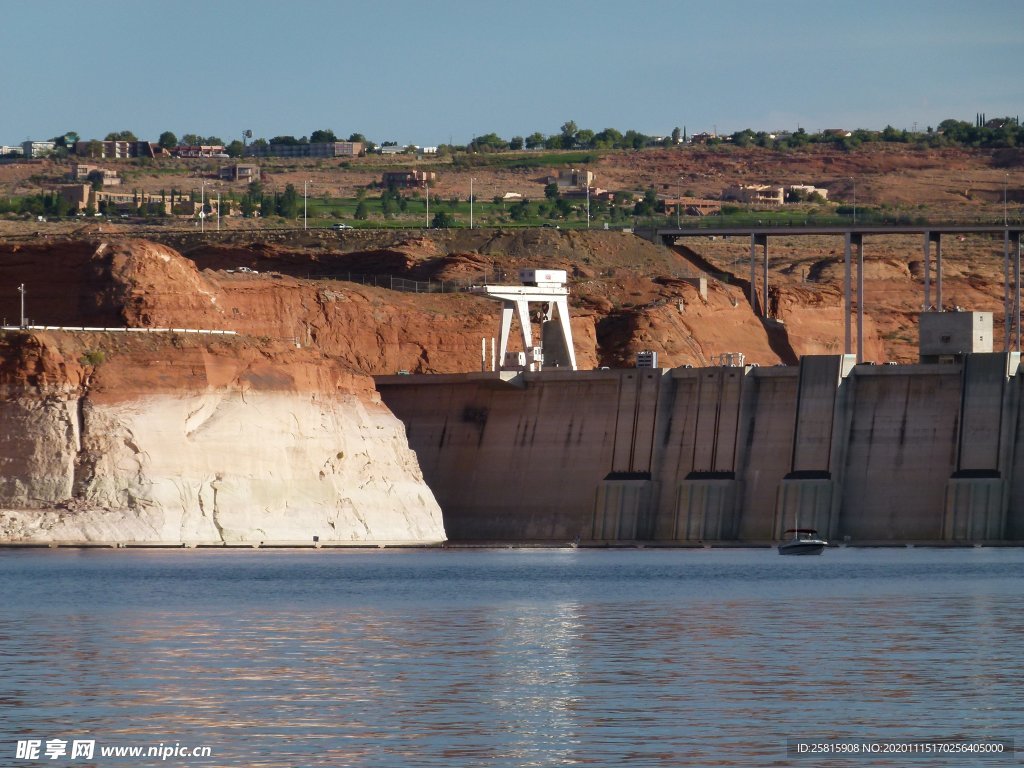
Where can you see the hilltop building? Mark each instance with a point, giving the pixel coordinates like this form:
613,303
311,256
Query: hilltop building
318,149
117,150
239,172
30,149
407,179
755,194
81,171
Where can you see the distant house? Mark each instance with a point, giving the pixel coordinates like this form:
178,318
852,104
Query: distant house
81,195
81,172
406,179
199,150
317,149
239,172
6,151
806,190
572,178
117,150
30,149
391,150
755,194
693,206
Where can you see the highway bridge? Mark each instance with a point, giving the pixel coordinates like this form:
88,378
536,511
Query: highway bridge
854,235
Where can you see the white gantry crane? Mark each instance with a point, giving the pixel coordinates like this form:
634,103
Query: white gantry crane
555,348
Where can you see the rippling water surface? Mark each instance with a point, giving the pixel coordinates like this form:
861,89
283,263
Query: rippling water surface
509,657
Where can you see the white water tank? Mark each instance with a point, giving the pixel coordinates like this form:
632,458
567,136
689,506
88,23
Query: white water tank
543,278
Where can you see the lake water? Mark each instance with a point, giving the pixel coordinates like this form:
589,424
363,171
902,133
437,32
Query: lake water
463,658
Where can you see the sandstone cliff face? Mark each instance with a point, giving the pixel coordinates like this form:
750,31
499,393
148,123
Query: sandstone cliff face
167,439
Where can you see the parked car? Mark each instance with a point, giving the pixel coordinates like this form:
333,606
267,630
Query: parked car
341,226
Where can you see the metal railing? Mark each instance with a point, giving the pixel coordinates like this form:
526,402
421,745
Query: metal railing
393,283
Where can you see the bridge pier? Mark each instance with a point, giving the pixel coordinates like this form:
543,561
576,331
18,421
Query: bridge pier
854,239
757,239
929,238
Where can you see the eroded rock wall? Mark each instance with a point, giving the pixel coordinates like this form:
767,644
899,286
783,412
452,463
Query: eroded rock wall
174,441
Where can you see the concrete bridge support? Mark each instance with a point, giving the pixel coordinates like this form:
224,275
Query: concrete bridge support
755,241
929,238
854,240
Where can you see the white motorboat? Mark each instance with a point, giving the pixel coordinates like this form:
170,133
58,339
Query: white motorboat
804,541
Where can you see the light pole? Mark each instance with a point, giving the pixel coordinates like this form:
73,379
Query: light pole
679,200
202,207
21,290
854,200
587,177
305,192
427,185
218,210
1006,179
471,180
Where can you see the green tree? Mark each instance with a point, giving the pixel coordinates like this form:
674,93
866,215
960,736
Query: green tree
535,140
634,139
568,136
362,212
520,210
121,136
648,205
551,191
288,203
677,135
167,140
585,138
235,149
516,142
325,136
247,206
490,142
442,220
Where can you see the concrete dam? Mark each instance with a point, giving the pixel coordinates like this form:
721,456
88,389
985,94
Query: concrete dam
924,453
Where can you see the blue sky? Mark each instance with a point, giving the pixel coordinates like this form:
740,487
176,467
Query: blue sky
433,72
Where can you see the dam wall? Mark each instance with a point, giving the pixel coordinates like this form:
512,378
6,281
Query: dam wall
865,454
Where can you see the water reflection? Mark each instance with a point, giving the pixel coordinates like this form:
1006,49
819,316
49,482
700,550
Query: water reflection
509,659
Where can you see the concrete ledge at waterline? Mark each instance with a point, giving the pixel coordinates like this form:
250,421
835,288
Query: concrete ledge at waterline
221,544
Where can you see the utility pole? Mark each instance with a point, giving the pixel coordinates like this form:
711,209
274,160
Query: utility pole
21,290
427,183
471,180
305,192
679,199
588,197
